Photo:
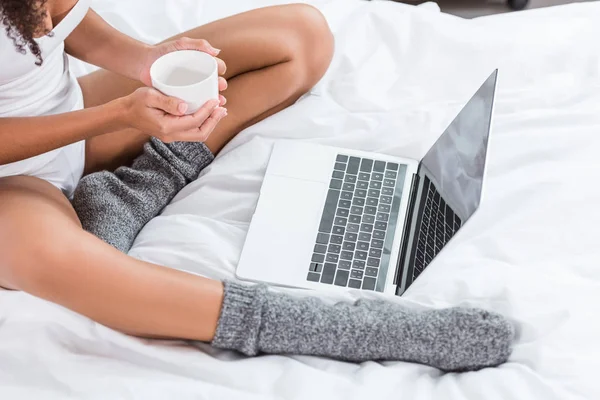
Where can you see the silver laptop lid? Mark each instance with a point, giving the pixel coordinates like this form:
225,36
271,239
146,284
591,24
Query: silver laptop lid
456,162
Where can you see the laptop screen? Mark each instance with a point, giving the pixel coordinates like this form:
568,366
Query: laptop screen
456,162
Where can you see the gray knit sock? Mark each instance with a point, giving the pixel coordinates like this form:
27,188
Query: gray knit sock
116,206
255,320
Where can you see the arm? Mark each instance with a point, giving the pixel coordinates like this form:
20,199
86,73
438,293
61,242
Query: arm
145,109
96,42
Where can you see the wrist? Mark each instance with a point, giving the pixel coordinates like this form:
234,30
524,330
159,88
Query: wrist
118,111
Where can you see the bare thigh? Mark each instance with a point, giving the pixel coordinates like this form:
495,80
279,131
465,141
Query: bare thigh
273,56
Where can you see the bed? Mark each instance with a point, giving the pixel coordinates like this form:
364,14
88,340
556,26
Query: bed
399,75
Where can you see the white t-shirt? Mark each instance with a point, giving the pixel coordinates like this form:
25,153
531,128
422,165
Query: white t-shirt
28,90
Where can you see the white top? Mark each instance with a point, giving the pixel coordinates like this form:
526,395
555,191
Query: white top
30,90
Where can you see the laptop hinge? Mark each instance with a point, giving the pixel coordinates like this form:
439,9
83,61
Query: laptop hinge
408,220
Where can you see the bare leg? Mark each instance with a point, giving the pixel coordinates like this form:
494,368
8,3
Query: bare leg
273,56
79,271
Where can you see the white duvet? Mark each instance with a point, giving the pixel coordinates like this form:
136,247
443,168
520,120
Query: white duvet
399,76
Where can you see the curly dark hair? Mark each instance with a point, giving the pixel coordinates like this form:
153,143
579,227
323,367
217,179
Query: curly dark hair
22,19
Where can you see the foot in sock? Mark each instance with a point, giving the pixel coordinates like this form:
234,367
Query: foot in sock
116,206
255,320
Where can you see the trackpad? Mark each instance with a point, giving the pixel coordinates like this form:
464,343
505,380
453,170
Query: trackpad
283,230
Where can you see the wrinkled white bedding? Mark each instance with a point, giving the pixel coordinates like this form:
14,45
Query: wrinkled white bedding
399,76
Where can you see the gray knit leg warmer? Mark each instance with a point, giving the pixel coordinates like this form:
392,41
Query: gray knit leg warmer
116,206
255,320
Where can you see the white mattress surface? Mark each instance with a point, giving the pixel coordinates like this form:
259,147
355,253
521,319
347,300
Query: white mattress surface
399,76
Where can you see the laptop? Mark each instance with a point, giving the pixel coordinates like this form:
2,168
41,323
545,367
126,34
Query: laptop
331,218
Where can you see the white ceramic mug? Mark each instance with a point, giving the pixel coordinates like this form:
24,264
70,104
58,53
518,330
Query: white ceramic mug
189,75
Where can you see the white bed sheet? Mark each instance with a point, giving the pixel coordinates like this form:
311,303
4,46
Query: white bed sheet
399,76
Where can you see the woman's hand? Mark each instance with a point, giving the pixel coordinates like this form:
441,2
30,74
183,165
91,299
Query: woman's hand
162,116
183,43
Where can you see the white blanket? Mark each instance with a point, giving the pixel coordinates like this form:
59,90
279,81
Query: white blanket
399,76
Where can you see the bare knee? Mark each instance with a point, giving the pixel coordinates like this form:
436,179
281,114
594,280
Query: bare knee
312,43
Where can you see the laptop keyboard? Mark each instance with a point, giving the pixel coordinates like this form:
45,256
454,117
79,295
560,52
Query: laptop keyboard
438,224
357,224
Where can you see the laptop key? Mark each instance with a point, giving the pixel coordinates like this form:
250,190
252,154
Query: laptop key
344,264
368,283
342,212
392,166
329,210
374,185
356,273
318,258
313,277
378,244
362,184
334,248
390,174
372,201
379,166
382,217
335,184
351,237
352,228
373,193
348,186
364,176
388,182
338,230
320,248
364,236
344,203
350,178
368,219
378,234
353,165
354,284
358,201
341,278
341,221
366,228
346,196
373,262
322,238
356,210
360,255
341,158
375,253
384,208
332,258
338,174
369,271
360,193
315,267
358,264
349,246
366,165
386,199
339,166
377,176
346,255
387,191
370,210
355,219
328,273
336,239
382,226
362,246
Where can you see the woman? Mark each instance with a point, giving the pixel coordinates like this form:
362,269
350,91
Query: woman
54,129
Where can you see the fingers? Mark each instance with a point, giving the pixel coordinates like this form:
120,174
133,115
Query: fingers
185,43
169,104
200,134
187,122
222,84
222,100
221,66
